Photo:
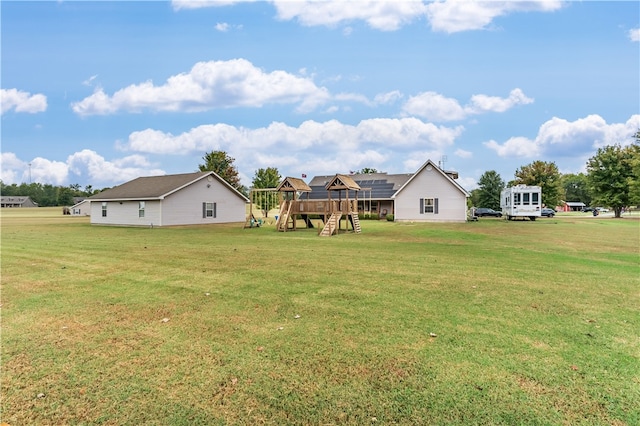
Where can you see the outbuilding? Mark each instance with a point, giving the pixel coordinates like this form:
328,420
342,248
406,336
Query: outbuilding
180,199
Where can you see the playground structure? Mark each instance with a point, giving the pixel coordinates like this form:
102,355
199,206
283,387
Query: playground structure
295,208
261,202
331,210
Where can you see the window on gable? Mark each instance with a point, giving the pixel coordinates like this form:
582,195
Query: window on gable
428,206
209,210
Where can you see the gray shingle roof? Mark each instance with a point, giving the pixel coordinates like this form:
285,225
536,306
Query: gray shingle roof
154,187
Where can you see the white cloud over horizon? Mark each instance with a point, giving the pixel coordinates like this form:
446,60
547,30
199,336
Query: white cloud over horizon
634,34
559,137
328,147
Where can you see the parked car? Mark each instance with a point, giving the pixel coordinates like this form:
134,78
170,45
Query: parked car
586,209
546,212
483,211
602,210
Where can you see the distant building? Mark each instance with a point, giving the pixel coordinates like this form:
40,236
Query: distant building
17,201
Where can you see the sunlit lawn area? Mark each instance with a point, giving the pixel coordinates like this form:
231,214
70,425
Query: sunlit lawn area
488,322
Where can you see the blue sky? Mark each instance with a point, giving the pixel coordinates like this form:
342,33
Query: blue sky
99,93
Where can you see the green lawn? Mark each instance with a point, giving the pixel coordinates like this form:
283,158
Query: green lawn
490,322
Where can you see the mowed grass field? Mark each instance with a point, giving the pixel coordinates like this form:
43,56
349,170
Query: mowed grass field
492,322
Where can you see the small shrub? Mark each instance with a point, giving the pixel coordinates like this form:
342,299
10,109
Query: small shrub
390,218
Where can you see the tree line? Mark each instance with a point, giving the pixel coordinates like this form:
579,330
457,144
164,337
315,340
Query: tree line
612,180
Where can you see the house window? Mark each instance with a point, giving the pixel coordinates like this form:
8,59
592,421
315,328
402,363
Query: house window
209,210
516,199
428,206
104,209
525,198
141,209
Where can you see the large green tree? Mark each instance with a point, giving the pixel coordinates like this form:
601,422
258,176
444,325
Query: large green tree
490,185
266,178
543,174
611,176
575,187
222,164
634,180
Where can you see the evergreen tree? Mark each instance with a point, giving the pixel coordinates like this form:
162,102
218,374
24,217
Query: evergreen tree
490,186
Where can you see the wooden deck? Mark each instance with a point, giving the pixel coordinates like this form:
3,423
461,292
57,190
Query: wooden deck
324,207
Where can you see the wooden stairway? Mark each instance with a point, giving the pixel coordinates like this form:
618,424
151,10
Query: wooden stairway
355,221
331,227
283,218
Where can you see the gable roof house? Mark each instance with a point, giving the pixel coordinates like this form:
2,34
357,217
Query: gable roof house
181,199
429,194
17,201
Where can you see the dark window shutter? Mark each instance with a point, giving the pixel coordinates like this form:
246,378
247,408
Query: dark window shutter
214,210
421,205
204,210
435,206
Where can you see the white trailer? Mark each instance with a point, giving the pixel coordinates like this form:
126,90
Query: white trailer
521,201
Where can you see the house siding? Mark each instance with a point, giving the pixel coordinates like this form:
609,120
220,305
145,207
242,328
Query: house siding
185,206
452,202
126,213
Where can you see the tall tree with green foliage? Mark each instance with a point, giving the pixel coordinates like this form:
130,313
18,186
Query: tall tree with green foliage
611,176
575,187
490,185
266,178
222,164
634,180
545,175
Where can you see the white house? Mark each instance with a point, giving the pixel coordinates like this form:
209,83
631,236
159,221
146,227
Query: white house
181,199
430,195
82,208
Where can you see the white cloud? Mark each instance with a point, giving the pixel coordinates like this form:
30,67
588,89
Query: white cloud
213,84
452,16
433,106
89,81
445,16
222,27
484,103
85,165
387,98
21,101
12,168
330,135
198,4
38,169
559,137
463,153
380,15
436,107
634,34
515,147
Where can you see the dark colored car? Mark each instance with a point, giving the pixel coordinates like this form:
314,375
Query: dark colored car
547,212
483,211
586,209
